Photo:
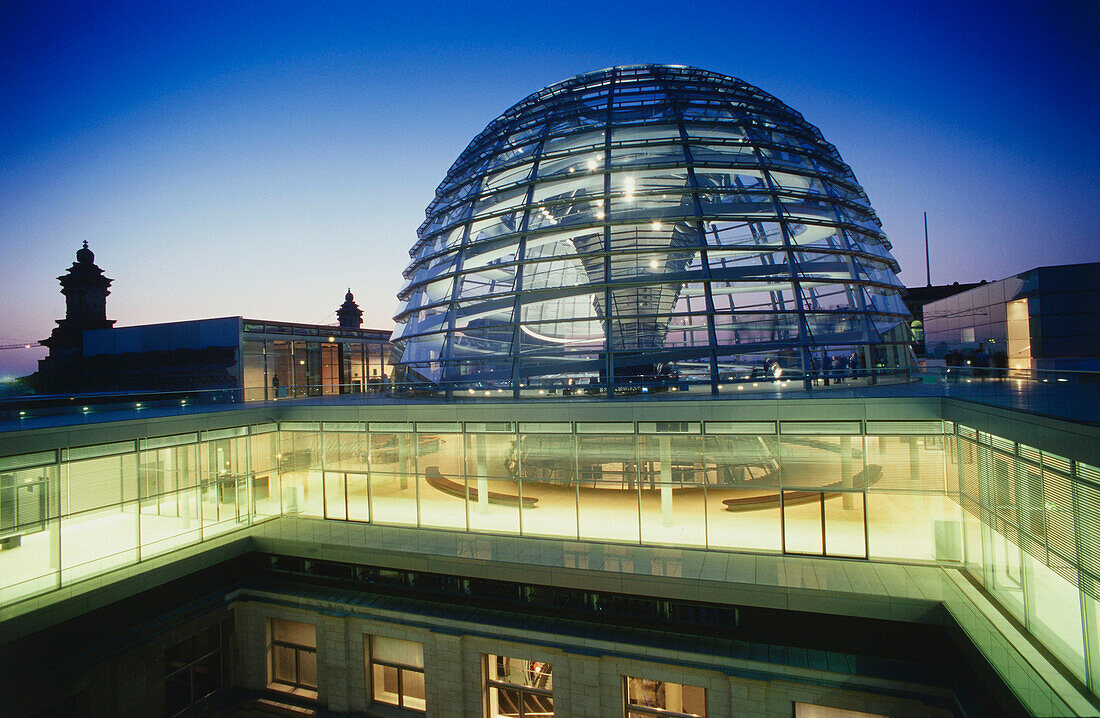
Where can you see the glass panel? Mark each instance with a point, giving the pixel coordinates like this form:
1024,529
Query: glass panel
845,527
673,497
802,522
742,518
169,521
491,467
307,668
1004,577
396,650
608,492
914,526
662,696
521,672
412,687
335,503
265,477
546,464
823,461
505,702
393,490
442,484
283,665
300,475
95,541
384,679
1054,614
358,503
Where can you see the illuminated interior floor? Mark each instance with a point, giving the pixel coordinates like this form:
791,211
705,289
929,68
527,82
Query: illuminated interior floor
98,541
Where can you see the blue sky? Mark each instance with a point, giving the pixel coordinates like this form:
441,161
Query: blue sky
257,159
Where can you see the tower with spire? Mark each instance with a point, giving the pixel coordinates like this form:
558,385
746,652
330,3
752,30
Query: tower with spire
85,289
349,314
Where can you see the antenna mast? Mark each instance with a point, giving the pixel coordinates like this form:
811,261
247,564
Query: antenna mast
927,264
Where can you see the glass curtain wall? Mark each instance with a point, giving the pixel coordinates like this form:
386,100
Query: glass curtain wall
74,513
1020,520
852,489
312,367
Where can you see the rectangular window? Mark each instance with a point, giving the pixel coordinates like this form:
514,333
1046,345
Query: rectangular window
645,697
293,661
518,688
194,668
397,672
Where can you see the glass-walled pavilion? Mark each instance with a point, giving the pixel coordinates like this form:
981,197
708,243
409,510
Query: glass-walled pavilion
1016,518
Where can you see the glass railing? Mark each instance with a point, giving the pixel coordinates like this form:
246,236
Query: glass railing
1073,395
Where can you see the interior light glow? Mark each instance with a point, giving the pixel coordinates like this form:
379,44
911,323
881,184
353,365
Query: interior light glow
591,164
656,225
653,263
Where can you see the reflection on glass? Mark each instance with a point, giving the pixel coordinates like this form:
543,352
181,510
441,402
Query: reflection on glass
647,697
519,687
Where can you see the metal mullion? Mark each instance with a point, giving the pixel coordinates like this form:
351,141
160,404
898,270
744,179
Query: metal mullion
796,286
444,352
521,257
609,354
693,184
849,259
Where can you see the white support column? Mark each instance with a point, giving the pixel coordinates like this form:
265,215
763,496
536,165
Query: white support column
482,479
666,480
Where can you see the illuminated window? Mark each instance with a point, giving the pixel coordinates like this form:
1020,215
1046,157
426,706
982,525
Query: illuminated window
518,688
397,672
645,697
293,659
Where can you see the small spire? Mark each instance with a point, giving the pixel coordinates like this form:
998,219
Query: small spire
85,255
349,314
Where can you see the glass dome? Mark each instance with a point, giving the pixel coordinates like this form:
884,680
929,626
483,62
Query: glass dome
648,225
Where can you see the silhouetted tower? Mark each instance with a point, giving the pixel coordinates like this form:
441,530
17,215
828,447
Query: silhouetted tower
349,314
85,289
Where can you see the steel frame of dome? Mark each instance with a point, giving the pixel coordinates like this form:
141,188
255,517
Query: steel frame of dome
704,226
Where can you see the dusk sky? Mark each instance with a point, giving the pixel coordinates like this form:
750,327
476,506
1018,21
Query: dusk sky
227,159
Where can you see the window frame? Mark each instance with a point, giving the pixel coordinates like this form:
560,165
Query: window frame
523,690
401,669
630,710
297,686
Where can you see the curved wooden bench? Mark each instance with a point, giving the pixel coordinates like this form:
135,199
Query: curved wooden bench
450,487
862,480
